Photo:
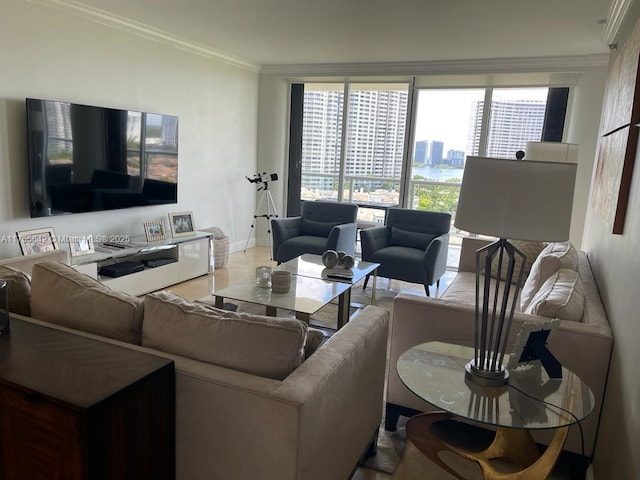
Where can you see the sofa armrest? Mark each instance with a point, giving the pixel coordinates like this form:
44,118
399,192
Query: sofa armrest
583,349
342,238
283,229
26,262
468,250
340,390
435,258
373,239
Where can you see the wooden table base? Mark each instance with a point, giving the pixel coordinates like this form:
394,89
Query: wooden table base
514,444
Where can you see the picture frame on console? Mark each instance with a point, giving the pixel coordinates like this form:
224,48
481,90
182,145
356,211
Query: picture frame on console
154,231
36,241
81,245
182,224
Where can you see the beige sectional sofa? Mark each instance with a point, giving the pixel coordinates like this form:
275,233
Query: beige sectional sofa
582,342
254,400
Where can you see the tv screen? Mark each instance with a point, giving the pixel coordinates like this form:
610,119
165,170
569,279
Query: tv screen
85,158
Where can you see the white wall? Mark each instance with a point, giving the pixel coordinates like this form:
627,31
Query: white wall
273,121
47,53
615,260
582,128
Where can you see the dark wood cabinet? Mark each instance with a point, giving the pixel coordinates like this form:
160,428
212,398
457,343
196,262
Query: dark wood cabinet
77,408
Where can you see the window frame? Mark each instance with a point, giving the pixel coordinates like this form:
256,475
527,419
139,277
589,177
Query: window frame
489,83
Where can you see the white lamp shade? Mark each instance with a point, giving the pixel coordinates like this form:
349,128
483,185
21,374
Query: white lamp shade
516,199
552,152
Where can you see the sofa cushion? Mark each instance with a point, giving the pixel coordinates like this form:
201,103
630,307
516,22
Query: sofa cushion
317,229
61,295
315,337
555,256
19,290
405,238
530,249
268,346
561,296
463,289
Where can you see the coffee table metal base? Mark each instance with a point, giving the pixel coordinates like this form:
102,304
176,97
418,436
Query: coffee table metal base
269,310
514,444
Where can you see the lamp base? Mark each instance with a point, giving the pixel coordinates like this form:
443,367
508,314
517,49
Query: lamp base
486,378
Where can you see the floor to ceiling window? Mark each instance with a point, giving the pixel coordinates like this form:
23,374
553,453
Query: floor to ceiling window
353,144
355,148
451,124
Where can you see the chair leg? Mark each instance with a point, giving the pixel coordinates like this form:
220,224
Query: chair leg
426,289
438,283
366,280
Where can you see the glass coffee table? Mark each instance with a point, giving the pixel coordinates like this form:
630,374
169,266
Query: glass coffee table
310,265
306,296
435,372
310,289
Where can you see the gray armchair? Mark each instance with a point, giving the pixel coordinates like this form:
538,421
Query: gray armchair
321,226
412,246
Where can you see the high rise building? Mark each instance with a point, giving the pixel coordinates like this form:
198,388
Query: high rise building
436,152
375,133
420,151
374,138
511,125
455,158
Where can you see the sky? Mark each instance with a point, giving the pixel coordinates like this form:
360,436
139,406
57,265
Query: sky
444,114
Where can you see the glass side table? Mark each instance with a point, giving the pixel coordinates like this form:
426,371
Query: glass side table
435,372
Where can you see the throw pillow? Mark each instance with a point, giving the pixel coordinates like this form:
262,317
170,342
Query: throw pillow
405,238
555,256
530,249
19,290
317,229
62,295
266,346
561,296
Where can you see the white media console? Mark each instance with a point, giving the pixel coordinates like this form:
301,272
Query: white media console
189,257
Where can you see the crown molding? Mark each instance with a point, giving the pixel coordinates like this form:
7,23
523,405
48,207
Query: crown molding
557,64
142,30
572,64
617,14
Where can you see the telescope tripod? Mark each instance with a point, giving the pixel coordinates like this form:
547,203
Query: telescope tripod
271,212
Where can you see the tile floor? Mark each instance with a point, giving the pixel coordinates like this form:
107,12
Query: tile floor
242,266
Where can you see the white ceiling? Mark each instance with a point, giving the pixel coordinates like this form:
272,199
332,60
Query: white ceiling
279,32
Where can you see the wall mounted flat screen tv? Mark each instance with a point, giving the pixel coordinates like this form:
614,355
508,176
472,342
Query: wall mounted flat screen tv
85,158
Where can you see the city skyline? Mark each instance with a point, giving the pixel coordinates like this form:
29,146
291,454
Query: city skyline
374,141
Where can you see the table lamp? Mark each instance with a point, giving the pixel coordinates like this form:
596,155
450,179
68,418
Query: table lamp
508,199
552,152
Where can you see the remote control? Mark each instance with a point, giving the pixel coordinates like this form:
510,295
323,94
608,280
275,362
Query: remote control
338,276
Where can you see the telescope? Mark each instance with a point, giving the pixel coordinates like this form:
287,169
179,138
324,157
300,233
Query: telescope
263,177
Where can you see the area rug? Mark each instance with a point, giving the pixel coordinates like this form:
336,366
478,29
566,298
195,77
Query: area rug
389,450
398,457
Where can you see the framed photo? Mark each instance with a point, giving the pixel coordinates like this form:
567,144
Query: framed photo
531,346
36,241
182,224
154,231
79,246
